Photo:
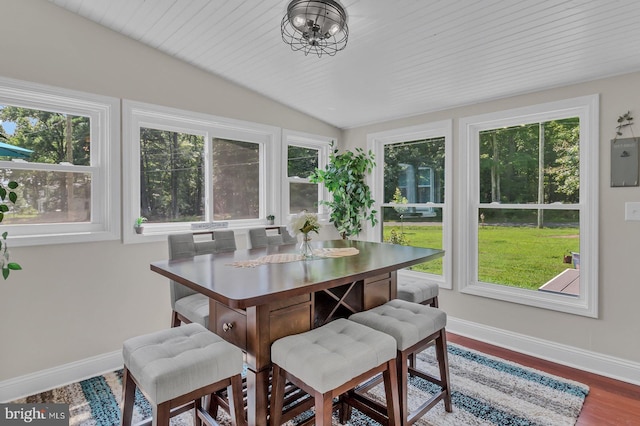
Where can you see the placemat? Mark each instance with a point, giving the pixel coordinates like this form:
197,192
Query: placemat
293,257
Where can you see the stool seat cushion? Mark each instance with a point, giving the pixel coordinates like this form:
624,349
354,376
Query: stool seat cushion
329,356
177,361
416,290
407,322
194,307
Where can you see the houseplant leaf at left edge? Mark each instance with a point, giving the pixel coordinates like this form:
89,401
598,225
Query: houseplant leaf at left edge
10,194
345,179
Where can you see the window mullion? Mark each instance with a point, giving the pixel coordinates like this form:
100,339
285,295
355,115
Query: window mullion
208,176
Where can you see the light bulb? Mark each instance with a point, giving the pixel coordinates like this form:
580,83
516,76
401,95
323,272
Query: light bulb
299,21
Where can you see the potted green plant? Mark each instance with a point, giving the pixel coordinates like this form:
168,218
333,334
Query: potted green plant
345,179
270,219
138,224
5,264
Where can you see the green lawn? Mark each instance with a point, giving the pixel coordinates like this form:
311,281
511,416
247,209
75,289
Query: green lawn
422,236
516,256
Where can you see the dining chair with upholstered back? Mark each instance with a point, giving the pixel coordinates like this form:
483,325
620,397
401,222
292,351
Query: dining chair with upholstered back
260,239
225,241
187,305
287,238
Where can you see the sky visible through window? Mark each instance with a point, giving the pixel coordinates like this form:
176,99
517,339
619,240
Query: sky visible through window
9,127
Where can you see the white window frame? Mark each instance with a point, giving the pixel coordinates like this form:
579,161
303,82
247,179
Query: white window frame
305,140
376,143
104,115
587,109
138,114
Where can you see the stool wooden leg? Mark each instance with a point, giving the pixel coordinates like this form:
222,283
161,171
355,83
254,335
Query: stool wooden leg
412,360
277,395
391,392
345,409
443,363
324,408
403,385
128,397
197,405
161,414
236,407
175,320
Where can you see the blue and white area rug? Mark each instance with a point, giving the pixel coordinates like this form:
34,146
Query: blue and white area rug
485,391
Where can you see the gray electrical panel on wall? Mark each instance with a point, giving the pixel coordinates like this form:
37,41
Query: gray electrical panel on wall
624,162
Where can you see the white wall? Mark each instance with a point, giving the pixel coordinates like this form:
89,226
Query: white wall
615,333
77,301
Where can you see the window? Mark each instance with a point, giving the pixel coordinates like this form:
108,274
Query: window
530,198
412,192
303,154
236,180
171,176
184,168
69,179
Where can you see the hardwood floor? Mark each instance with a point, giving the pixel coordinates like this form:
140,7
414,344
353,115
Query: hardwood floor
610,402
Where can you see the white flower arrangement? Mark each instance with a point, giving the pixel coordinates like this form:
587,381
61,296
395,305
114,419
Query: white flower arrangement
304,223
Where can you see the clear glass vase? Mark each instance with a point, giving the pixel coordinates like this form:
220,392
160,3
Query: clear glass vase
305,247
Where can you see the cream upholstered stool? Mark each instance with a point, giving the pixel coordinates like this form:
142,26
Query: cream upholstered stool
414,327
176,368
418,291
328,361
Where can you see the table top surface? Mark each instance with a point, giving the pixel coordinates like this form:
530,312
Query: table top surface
241,287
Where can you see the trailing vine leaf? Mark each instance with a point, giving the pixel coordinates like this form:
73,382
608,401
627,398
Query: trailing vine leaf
624,120
5,264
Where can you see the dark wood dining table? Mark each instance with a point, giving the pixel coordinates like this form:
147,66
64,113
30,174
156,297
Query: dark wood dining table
252,307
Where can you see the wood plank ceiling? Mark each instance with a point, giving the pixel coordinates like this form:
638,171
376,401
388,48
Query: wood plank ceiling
404,57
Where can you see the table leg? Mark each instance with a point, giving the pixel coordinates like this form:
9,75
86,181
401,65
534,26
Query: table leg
257,397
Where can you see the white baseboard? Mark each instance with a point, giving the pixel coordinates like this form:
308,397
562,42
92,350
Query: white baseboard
51,378
605,365
593,362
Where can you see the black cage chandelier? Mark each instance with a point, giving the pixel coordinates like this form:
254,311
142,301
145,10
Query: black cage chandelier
316,26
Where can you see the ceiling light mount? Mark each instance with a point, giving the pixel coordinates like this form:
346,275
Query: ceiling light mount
315,26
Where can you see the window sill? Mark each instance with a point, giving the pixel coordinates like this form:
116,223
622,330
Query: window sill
61,238
555,302
154,233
